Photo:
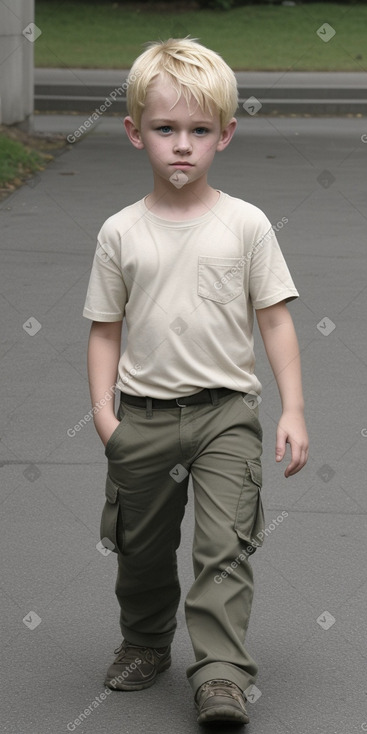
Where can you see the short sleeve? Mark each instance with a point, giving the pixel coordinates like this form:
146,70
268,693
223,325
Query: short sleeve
106,295
270,280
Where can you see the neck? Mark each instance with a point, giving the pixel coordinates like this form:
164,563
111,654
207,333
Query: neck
192,200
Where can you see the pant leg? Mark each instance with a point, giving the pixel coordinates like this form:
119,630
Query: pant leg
148,505
228,515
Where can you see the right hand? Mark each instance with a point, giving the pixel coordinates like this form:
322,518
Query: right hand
106,427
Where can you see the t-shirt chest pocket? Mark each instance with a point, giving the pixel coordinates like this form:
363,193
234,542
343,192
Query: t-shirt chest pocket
220,279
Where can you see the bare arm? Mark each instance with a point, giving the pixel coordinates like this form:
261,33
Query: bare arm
281,345
103,358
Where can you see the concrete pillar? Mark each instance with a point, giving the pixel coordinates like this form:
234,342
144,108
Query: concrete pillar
18,34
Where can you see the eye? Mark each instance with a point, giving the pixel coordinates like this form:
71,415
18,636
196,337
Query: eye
201,130
164,129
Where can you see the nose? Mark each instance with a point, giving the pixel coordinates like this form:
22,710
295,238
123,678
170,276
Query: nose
182,144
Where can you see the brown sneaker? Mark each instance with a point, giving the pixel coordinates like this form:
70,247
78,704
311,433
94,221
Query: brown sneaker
221,700
136,667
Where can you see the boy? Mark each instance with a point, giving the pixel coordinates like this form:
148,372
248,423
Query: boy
186,267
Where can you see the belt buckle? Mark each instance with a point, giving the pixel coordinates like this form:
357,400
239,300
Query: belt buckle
180,404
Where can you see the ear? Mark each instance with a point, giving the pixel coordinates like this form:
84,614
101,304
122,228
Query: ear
227,134
133,133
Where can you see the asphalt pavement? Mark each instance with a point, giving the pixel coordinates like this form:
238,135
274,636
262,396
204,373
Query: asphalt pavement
260,92
308,628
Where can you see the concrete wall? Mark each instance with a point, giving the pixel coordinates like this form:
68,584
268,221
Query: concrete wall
17,37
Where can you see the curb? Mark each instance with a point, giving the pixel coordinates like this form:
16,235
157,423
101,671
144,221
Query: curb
263,93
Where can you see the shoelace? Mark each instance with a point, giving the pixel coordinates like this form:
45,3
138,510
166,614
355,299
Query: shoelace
127,649
221,686
123,650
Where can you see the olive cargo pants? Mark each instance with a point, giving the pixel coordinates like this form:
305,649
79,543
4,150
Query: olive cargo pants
149,461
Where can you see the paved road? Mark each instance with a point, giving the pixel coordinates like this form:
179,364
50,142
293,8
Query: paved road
275,92
308,630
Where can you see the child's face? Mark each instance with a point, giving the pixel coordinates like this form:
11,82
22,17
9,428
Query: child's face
179,137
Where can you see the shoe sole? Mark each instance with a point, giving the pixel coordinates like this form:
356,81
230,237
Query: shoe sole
126,686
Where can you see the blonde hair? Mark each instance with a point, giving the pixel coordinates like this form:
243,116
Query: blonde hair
193,70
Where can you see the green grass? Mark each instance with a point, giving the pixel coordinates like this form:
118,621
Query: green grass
251,37
22,154
17,161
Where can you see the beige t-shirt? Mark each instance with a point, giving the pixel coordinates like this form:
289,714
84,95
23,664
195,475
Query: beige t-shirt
187,290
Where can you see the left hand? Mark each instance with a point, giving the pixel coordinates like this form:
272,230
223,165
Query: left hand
292,429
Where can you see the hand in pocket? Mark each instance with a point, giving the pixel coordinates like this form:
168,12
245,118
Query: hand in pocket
107,428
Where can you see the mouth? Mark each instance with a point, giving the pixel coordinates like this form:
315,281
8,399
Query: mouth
182,165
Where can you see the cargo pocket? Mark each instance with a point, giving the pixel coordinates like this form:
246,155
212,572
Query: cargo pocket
111,525
250,521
